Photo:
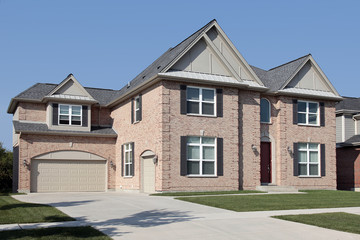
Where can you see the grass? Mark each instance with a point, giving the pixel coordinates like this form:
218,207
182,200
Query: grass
340,221
56,233
204,193
313,199
14,211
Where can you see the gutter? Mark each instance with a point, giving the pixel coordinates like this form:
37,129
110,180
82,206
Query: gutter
335,98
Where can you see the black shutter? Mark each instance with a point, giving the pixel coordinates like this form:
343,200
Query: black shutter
140,107
296,161
219,102
55,114
132,172
220,157
122,160
322,157
295,111
183,107
132,111
84,116
183,156
322,114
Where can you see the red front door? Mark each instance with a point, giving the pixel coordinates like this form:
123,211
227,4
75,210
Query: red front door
265,159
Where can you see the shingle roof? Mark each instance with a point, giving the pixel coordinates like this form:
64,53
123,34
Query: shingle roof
354,140
43,128
349,103
274,78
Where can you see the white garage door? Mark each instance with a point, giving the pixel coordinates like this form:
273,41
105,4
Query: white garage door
148,175
68,175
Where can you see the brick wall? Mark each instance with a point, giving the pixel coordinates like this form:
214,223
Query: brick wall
32,111
348,168
100,116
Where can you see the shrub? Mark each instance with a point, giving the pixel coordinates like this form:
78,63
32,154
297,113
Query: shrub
6,158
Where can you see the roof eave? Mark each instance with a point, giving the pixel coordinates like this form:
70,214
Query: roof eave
80,134
14,101
49,99
304,95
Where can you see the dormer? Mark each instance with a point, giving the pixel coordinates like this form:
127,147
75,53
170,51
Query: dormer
69,106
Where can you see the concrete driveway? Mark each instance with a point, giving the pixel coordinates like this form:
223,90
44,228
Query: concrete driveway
139,216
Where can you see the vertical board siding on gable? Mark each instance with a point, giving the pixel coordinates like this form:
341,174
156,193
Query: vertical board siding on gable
349,127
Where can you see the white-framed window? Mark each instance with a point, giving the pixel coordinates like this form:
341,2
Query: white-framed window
201,101
265,110
201,152
128,161
70,115
309,159
137,109
308,113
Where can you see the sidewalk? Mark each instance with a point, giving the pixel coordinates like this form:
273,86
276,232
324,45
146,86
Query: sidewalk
20,226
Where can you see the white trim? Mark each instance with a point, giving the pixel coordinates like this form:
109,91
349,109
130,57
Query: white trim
308,163
131,161
343,128
137,98
307,113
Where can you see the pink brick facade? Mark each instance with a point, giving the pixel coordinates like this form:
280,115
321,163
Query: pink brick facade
348,166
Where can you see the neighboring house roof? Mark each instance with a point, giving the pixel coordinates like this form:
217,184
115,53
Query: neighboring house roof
31,127
349,103
353,141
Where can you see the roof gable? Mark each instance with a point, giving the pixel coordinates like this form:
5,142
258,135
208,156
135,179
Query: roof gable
70,86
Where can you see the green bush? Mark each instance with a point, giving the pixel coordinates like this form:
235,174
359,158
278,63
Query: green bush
6,158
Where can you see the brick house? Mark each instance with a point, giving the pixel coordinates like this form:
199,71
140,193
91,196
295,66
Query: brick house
348,144
198,118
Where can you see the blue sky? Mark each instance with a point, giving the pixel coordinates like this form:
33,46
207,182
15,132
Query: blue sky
107,43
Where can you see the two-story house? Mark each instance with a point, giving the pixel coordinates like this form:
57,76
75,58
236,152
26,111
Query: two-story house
348,143
199,118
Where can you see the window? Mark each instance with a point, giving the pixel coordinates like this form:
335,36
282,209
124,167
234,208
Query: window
265,110
200,101
70,115
128,160
136,114
201,154
308,155
308,113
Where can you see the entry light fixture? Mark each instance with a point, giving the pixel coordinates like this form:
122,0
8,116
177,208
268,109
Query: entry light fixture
253,147
112,164
25,164
155,159
289,150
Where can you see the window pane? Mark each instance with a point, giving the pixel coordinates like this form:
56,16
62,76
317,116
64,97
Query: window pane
208,95
314,169
127,170
64,122
64,117
313,146
312,118
208,108
192,93
127,157
137,115
75,122
76,110
193,152
302,145
302,157
264,110
302,169
193,167
127,146
313,107
208,153
314,157
301,118
208,167
208,140
64,109
301,106
192,107
136,103
193,139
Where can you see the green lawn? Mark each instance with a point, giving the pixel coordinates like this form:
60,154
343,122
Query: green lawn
313,199
204,193
55,234
14,211
340,221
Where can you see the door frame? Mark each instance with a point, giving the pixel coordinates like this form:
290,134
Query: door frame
147,155
266,137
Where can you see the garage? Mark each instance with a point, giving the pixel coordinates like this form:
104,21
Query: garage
68,171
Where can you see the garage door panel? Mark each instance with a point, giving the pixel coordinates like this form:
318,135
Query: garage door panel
68,175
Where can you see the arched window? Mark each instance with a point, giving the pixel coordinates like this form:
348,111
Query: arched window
265,111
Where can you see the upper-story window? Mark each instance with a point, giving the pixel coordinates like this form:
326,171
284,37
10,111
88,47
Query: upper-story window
200,101
136,109
308,113
70,114
265,110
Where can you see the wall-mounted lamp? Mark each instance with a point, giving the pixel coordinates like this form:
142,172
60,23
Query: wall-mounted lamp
289,150
112,165
155,159
253,147
25,163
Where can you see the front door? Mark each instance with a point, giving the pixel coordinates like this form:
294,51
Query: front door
148,175
265,158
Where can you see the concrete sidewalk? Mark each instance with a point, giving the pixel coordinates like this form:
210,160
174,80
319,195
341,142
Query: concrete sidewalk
20,226
138,216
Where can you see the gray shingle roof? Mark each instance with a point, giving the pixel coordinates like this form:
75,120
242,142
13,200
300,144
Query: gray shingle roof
43,128
349,103
274,78
353,141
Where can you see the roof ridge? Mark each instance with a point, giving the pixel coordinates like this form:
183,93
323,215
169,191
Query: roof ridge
289,62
